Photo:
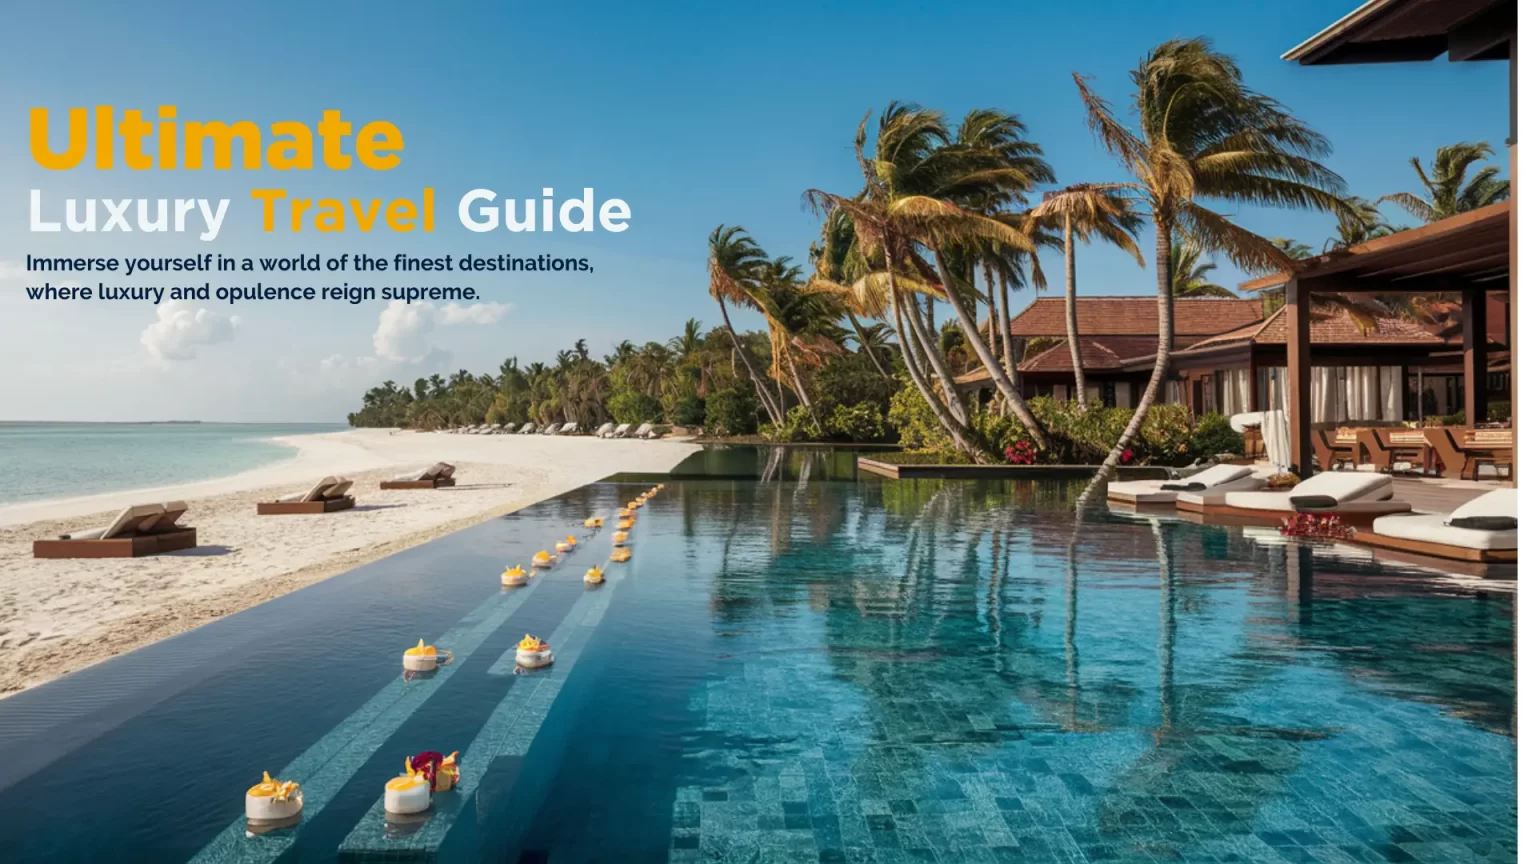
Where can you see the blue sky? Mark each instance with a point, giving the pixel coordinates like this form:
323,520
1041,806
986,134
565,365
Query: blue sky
694,113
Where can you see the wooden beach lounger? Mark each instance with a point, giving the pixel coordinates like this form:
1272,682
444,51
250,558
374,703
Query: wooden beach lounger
1483,530
1217,479
327,496
435,477
620,431
1356,497
144,529
1388,448
603,430
1461,449
567,429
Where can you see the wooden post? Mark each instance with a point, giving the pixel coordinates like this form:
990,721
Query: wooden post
1298,361
1474,356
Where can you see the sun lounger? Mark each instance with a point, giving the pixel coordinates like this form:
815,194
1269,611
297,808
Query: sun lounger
1218,479
567,429
1387,448
603,430
326,496
1484,529
1463,449
1337,448
644,431
143,529
620,431
1357,497
435,477
522,430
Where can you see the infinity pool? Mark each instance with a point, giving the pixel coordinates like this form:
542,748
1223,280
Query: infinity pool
803,665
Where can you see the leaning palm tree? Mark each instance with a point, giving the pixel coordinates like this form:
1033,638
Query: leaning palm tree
908,205
1447,191
1202,133
734,260
1084,211
1189,272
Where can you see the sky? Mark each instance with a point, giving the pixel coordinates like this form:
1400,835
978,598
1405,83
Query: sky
696,114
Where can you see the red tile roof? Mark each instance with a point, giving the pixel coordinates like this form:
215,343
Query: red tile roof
1336,329
1136,316
1099,355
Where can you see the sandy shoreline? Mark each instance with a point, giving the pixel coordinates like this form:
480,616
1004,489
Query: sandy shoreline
59,616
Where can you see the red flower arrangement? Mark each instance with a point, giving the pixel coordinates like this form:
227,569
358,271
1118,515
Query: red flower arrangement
1020,453
1310,526
1127,457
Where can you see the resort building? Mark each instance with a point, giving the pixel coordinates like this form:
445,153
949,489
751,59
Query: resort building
1471,253
1231,358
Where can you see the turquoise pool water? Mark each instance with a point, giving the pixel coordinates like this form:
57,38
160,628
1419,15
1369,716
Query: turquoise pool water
801,665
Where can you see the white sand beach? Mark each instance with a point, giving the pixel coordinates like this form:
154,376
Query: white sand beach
58,616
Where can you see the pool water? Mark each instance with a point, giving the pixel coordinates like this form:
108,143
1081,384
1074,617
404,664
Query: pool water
800,664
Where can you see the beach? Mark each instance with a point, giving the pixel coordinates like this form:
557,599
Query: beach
59,616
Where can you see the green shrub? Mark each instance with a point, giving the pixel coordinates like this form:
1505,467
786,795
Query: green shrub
731,411
1085,436
914,421
1498,412
797,426
861,422
1213,436
683,408
632,407
850,379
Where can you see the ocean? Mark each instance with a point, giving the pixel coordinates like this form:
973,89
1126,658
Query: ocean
45,461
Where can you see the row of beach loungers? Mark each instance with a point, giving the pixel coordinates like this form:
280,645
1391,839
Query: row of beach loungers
1483,530
607,430
150,529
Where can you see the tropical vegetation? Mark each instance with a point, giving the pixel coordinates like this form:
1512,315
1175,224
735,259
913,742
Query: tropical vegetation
954,215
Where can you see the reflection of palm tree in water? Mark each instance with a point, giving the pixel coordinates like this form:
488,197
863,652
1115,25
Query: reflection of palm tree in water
1253,761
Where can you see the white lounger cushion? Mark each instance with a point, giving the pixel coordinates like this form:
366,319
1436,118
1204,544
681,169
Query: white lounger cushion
1431,528
1223,478
136,518
1352,489
412,476
1435,528
621,432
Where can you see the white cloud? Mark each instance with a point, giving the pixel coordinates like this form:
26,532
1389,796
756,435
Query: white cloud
403,328
180,327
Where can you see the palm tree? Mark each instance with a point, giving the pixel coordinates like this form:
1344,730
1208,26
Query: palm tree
733,261
1293,249
1201,133
1084,211
691,340
1359,221
924,192
1447,191
1189,272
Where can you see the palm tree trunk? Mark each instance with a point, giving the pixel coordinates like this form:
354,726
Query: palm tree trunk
805,399
940,369
1006,320
775,413
869,349
931,327
1159,366
1001,379
1069,252
991,311
958,432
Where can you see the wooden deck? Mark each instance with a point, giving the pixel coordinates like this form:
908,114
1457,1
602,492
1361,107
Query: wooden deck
1439,496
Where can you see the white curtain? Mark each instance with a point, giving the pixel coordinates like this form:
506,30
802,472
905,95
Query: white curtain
1173,392
1234,390
1348,393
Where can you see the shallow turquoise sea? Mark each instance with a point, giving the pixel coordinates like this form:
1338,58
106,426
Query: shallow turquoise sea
43,461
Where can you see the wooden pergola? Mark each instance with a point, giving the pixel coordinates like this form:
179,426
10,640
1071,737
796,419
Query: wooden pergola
1467,254
1394,31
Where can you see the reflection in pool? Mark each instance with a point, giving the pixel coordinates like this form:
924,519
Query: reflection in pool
802,665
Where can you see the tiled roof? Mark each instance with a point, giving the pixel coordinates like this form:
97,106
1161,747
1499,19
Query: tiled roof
1099,355
1336,329
1136,316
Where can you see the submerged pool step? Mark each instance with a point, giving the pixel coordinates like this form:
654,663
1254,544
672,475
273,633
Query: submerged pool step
509,732
330,763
